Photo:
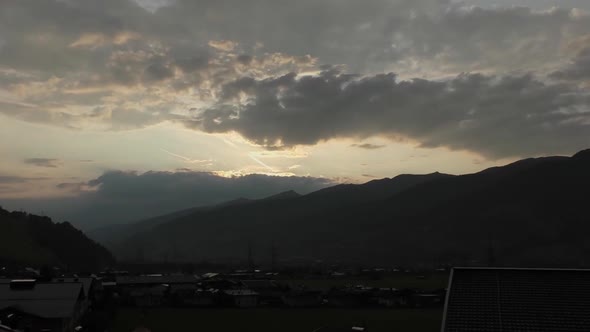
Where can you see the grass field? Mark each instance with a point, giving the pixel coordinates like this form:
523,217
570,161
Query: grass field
276,320
433,281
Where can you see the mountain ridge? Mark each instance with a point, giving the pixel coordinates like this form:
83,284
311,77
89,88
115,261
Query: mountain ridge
531,210
36,240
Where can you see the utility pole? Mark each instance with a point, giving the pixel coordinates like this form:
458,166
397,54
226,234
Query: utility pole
273,258
491,253
250,258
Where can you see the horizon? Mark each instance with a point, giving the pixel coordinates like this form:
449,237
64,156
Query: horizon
57,207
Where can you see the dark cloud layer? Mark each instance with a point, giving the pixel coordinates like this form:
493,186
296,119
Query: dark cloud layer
129,196
496,116
64,58
577,70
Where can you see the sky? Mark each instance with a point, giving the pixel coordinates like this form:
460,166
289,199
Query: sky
146,100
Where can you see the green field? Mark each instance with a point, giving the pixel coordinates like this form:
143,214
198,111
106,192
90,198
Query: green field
276,320
434,281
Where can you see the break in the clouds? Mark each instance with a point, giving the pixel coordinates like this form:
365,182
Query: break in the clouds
118,196
496,80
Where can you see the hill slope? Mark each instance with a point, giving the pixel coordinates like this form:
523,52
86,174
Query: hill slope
532,212
230,227
35,240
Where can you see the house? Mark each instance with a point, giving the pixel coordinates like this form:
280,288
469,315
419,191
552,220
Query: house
210,275
517,299
242,298
89,283
269,291
193,296
221,284
89,286
391,297
150,290
32,306
427,299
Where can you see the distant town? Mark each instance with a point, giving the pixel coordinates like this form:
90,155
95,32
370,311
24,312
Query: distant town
49,300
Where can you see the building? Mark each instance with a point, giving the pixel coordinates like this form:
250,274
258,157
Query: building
269,291
517,299
151,290
48,307
391,297
89,287
242,298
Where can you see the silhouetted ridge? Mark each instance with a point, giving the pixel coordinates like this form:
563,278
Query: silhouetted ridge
534,210
37,240
284,195
584,154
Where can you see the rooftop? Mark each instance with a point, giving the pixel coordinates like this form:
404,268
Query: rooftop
517,299
48,300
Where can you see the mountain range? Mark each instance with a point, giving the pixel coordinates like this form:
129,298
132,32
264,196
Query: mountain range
531,212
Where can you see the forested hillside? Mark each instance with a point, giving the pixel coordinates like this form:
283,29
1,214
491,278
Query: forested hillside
37,240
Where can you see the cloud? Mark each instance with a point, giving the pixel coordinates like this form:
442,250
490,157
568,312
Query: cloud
578,69
43,162
223,45
119,196
8,179
12,186
497,116
122,64
368,146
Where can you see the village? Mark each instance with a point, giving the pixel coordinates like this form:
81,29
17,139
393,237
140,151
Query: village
32,302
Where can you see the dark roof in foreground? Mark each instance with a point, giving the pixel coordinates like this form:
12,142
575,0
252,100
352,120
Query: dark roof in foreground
6,329
506,299
85,281
51,300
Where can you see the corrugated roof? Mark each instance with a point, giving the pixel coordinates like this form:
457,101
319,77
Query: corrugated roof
86,282
517,300
5,329
52,300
